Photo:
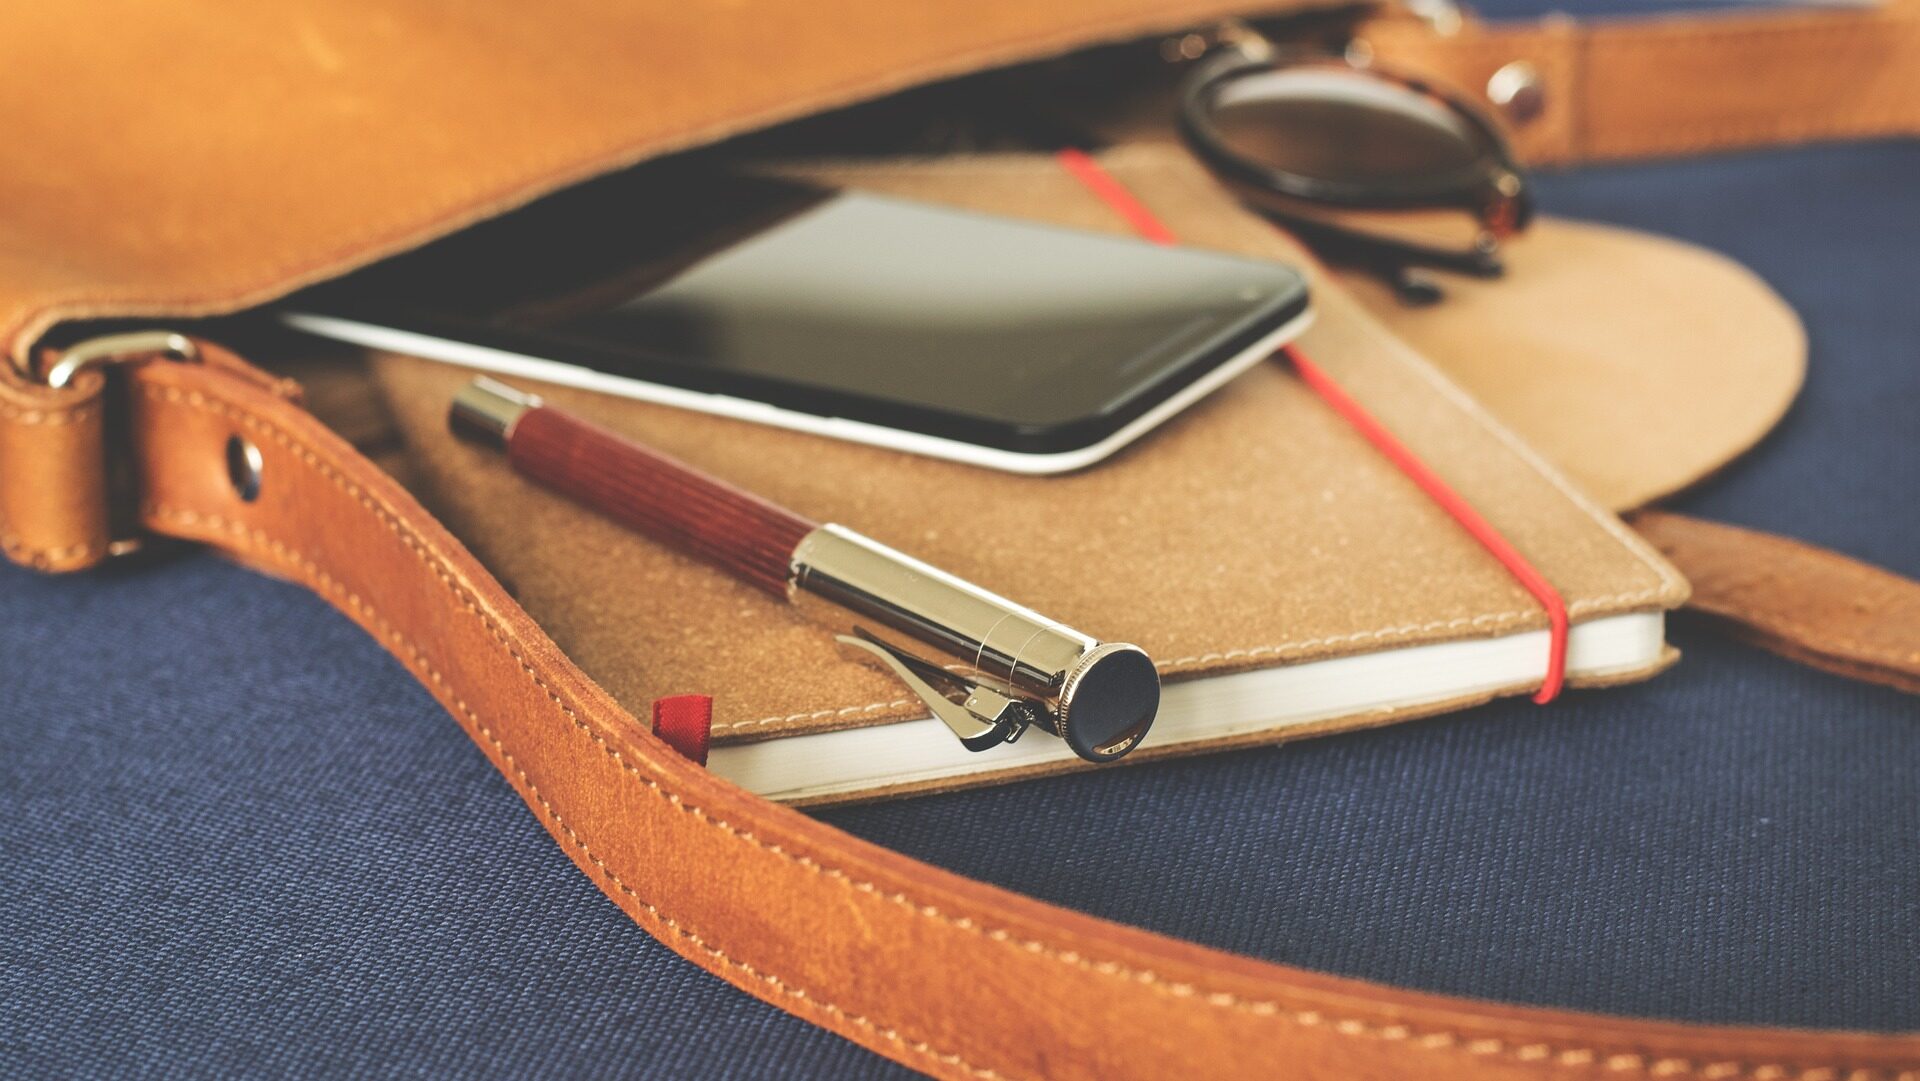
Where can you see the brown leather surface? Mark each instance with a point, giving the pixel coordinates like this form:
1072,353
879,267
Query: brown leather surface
1629,88
196,157
1257,529
329,137
1581,349
949,976
53,512
1811,604
357,137
1730,362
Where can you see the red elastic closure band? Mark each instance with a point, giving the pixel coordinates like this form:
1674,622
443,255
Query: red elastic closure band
1149,226
1115,194
1456,505
685,721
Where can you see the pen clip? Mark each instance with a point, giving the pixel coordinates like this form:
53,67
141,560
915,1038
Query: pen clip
979,715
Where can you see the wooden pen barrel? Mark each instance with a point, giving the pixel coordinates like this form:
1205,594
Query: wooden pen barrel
659,496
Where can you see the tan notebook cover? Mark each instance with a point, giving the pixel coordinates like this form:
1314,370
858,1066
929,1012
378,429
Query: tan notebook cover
1258,529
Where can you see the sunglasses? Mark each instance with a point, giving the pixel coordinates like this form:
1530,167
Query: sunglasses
1373,170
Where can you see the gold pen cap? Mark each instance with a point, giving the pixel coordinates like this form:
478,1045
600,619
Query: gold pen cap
487,410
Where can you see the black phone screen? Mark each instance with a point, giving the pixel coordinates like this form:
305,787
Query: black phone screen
988,330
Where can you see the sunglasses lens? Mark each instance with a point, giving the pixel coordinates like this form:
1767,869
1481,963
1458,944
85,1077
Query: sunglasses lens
1333,123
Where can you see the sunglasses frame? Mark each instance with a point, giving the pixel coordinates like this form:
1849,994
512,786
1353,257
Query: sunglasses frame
1492,189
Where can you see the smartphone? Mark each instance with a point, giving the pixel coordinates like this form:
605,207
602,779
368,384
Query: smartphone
959,335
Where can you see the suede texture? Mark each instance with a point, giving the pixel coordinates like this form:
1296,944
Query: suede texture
1256,529
243,842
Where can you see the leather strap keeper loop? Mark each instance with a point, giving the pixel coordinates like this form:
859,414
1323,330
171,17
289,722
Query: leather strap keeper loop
1618,89
63,497
54,508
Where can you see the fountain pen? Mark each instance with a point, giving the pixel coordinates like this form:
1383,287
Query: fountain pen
986,667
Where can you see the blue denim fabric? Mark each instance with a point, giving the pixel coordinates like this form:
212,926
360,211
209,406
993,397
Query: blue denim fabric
238,841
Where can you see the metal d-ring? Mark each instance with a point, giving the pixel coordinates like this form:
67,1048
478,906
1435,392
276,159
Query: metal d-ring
118,348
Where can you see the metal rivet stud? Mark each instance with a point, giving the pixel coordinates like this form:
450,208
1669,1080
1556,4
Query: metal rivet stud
244,466
1518,91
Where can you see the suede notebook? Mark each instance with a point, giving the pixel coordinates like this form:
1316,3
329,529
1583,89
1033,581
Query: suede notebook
1285,576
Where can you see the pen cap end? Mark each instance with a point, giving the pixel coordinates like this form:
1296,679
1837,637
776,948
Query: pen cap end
1109,701
487,409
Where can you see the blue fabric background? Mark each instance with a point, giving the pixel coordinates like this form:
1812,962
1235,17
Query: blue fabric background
237,840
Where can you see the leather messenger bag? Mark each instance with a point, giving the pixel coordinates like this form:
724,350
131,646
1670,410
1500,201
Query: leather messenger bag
169,161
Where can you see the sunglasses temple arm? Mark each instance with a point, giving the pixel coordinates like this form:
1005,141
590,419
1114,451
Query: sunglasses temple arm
1398,263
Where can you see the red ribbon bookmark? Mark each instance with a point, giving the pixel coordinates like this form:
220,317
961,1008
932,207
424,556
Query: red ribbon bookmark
1149,226
685,721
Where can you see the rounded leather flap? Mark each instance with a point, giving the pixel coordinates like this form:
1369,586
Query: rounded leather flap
1637,364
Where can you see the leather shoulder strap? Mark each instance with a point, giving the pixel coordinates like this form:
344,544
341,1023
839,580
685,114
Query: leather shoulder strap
1631,88
1810,604
947,975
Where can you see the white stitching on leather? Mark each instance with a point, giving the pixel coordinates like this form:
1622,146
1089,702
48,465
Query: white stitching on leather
49,417
294,560
438,565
